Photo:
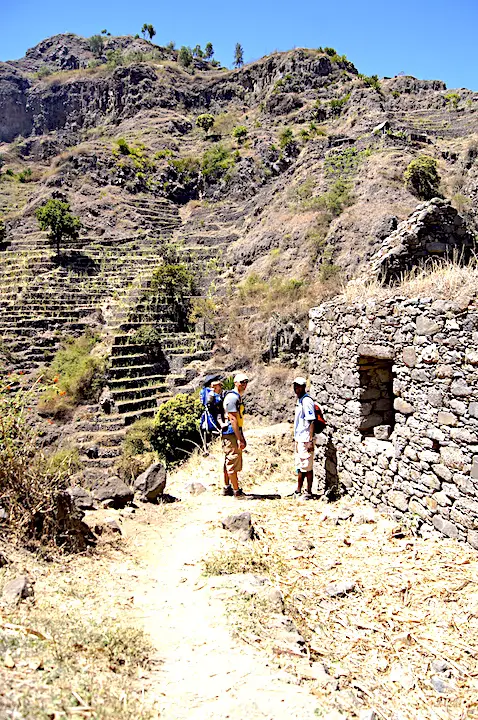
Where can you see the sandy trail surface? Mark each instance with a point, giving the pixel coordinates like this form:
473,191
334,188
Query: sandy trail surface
203,671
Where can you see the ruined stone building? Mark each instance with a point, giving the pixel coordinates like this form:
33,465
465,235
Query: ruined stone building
397,379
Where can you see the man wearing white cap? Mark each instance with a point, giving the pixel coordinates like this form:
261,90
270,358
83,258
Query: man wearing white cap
304,437
233,440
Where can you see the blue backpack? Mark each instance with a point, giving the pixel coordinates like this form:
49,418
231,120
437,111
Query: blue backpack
207,422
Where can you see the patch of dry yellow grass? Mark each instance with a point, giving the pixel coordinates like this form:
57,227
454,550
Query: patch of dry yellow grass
444,281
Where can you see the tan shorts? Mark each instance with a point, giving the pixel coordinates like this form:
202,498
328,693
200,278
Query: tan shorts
304,459
233,459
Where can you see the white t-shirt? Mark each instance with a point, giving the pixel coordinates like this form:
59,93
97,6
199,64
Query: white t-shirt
304,414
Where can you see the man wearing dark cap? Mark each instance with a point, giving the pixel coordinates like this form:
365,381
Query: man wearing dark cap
304,438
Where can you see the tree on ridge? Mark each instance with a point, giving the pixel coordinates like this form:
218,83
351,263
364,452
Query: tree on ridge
55,217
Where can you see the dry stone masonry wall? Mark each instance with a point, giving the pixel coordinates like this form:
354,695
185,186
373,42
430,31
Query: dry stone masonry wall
434,230
398,382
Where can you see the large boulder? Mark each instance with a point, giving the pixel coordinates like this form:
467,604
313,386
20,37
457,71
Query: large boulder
114,490
151,483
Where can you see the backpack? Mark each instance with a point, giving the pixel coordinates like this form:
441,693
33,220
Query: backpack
319,421
207,422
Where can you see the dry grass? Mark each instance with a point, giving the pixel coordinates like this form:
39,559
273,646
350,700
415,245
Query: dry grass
73,651
414,603
440,280
240,559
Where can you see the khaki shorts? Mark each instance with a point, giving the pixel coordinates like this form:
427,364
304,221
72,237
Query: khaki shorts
233,459
304,459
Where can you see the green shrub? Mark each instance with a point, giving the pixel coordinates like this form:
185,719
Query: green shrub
122,146
338,197
240,133
422,178
343,163
75,376
205,122
176,428
216,162
25,176
188,167
172,281
395,94
185,57
371,81
96,45
328,271
452,100
114,58
337,104
286,138
330,51
43,72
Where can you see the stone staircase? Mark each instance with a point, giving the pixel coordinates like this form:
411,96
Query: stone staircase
101,283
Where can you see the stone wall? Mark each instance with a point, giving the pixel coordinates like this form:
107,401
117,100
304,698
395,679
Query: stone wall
434,230
398,382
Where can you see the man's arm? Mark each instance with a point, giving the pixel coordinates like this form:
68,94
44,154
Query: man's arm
233,419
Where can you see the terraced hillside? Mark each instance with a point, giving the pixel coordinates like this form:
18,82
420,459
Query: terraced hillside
298,181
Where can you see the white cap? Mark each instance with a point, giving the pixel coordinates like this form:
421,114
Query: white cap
300,381
240,377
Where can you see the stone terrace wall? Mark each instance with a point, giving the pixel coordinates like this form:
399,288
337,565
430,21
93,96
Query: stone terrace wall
419,357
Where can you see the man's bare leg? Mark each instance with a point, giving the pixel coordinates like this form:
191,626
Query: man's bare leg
310,480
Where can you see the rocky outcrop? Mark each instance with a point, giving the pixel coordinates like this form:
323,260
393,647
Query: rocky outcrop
434,230
15,117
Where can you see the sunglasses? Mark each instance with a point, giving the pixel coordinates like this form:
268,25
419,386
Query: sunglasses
243,382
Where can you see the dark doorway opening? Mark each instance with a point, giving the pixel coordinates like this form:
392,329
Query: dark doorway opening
377,418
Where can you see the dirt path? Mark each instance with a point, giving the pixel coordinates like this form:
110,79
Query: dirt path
204,672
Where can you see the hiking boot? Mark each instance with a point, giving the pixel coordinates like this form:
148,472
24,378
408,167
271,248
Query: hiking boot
240,494
227,490
308,496
296,494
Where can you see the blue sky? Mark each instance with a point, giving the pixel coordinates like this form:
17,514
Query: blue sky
429,39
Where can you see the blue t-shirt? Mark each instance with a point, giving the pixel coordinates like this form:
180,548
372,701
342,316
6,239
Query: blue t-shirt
304,415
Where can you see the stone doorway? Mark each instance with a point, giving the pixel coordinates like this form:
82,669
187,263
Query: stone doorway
377,417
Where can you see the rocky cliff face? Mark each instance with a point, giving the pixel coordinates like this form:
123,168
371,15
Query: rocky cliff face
323,197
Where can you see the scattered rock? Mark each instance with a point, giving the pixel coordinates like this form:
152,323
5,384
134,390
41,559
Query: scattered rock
342,587
441,686
151,483
195,488
113,526
368,715
18,589
92,452
439,666
364,515
81,498
240,525
114,491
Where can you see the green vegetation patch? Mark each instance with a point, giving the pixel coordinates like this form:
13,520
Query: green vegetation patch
421,177
175,432
75,376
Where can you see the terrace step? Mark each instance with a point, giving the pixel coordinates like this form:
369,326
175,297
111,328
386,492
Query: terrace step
136,393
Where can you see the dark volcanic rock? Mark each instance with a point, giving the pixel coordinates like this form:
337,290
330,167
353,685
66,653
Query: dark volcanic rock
115,490
150,484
